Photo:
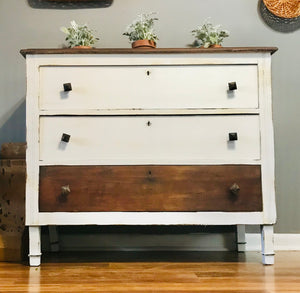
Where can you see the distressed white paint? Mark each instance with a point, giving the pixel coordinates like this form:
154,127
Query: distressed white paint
145,59
134,111
34,246
32,138
267,140
231,112
267,244
144,139
151,218
148,87
142,161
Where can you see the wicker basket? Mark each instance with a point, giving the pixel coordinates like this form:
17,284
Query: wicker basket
280,24
283,8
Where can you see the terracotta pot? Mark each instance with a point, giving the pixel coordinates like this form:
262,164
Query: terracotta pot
143,44
212,46
81,47
215,46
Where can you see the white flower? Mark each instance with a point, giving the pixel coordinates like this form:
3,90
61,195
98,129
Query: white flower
74,25
64,30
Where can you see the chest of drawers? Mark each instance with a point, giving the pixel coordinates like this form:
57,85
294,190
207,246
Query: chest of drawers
146,137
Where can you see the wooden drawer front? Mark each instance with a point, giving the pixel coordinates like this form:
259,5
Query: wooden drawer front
147,87
150,188
149,139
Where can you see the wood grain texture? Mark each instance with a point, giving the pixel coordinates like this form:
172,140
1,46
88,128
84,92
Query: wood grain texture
12,150
12,207
166,272
150,188
271,50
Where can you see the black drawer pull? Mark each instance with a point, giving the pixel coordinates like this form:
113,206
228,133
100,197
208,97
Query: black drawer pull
67,87
232,86
65,137
234,189
233,136
149,123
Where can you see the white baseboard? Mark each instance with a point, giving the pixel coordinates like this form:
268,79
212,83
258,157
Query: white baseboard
170,242
282,241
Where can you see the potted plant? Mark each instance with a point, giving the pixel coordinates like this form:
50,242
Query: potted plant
209,36
141,31
79,36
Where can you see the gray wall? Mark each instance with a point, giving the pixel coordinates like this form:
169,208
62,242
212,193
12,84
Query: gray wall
23,26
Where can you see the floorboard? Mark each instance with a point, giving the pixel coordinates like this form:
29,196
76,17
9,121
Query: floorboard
224,272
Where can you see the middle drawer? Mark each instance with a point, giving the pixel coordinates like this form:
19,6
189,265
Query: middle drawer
149,139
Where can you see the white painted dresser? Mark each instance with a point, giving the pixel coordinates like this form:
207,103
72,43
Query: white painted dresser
145,137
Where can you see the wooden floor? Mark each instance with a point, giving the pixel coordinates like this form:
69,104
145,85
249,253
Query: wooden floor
155,272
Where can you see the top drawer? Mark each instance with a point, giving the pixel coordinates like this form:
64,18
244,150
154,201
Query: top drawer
148,87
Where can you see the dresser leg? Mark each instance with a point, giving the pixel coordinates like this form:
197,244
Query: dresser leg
241,238
53,239
267,244
34,246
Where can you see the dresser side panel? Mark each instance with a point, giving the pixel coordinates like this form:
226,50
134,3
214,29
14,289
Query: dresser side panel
267,139
32,138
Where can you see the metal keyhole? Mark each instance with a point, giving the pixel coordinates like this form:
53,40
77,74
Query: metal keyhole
148,72
149,123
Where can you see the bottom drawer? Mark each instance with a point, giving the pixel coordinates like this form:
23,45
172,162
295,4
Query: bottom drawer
228,188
